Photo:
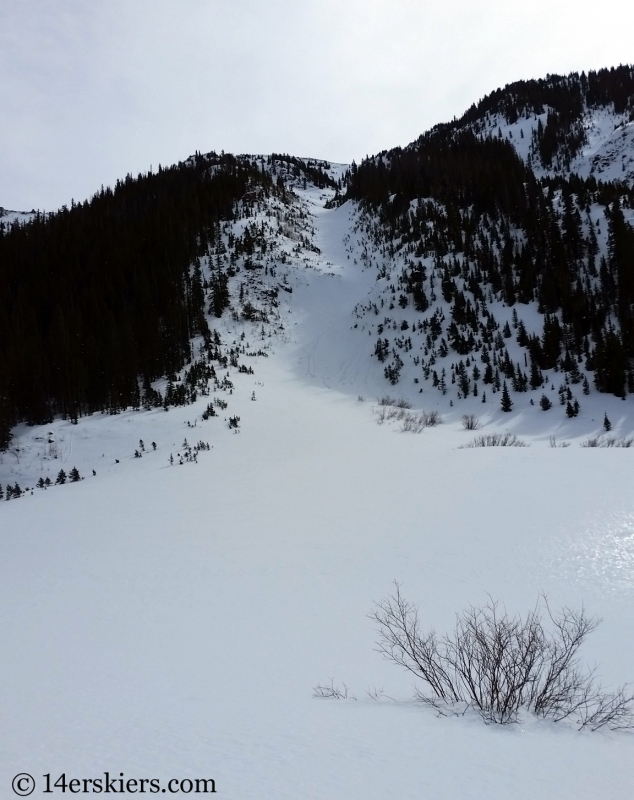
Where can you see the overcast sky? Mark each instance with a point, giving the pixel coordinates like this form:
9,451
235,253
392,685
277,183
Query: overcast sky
92,90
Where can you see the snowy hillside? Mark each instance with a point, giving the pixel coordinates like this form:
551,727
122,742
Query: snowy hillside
171,621
607,154
8,217
319,288
182,570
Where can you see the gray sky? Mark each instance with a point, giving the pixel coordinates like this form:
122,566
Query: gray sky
92,90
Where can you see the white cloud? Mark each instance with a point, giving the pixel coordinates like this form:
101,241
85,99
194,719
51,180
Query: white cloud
90,91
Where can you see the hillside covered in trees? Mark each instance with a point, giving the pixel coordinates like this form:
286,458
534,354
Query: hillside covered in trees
526,203
102,298
467,214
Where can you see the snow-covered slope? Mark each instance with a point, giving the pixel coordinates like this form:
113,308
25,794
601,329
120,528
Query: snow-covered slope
8,217
607,153
320,289
171,620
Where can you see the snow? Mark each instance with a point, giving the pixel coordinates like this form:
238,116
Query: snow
607,155
8,217
172,621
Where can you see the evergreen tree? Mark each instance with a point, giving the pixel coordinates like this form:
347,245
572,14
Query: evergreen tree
61,477
107,293
507,403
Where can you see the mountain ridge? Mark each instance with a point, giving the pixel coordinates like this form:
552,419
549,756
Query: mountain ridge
459,225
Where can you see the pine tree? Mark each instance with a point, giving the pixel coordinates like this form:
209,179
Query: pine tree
74,475
536,378
545,403
606,423
61,477
507,403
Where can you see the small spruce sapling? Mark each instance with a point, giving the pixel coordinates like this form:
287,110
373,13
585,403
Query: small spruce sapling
545,403
61,478
606,423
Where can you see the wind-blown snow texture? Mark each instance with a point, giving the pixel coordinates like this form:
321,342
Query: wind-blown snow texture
171,621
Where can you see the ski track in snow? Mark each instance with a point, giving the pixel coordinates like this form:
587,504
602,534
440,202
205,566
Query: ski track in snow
172,621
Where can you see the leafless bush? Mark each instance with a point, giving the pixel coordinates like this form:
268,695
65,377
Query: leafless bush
501,665
411,422
377,694
554,443
386,400
414,423
607,441
332,691
432,418
470,422
389,413
496,440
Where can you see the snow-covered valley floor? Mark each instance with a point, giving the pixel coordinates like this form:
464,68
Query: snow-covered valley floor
171,621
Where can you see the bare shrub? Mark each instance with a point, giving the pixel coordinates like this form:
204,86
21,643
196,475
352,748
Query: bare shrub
470,422
607,441
432,418
413,423
332,691
496,440
554,443
377,694
501,665
386,400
